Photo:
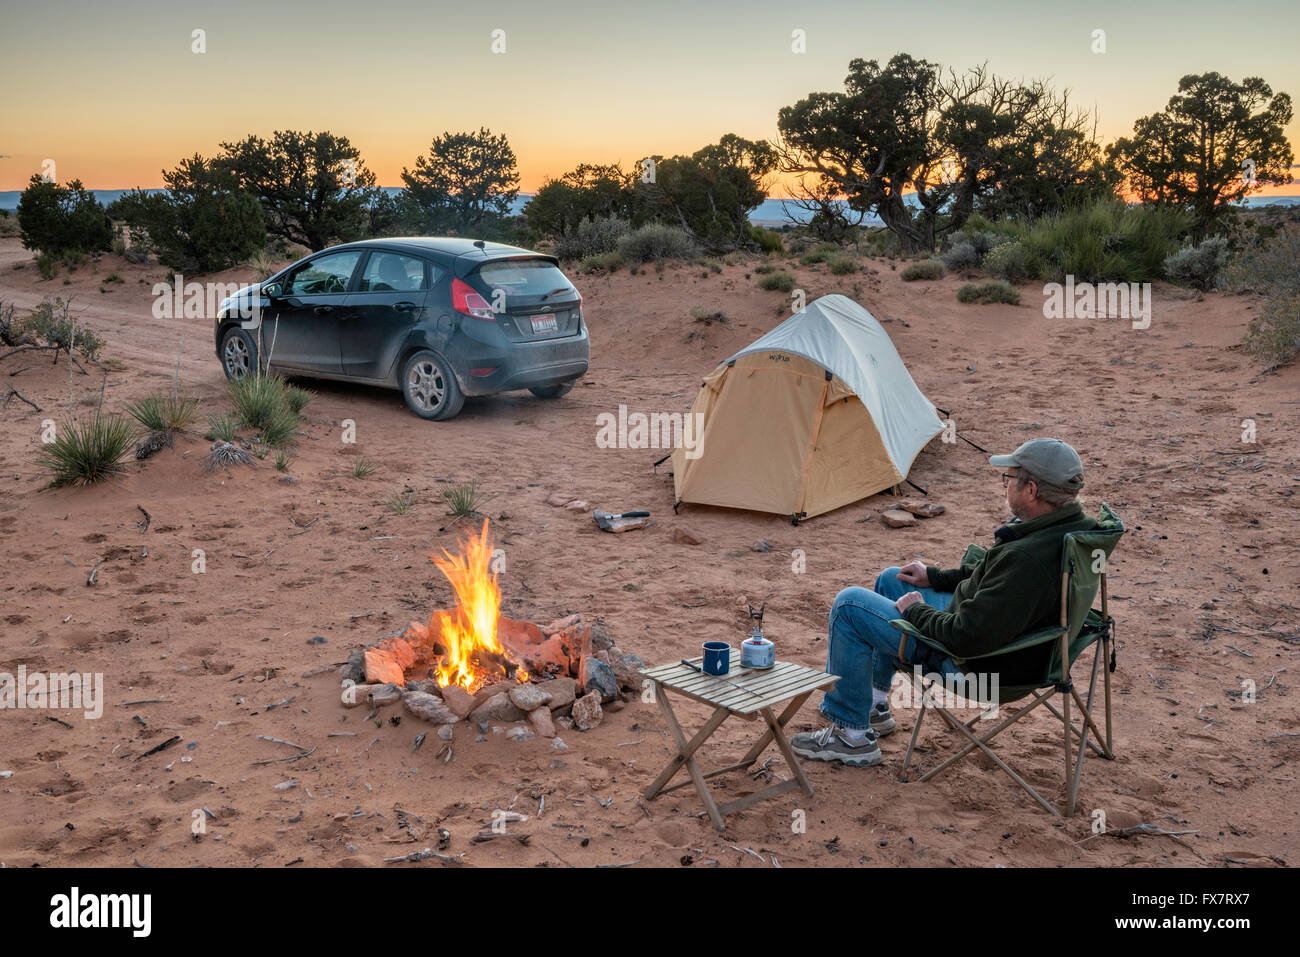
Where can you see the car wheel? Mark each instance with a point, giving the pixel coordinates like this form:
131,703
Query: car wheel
238,354
430,388
552,391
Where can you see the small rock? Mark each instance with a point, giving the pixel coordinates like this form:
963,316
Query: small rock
627,671
458,700
762,545
480,739
684,536
497,708
316,640
519,733
528,697
561,690
922,509
355,669
428,707
445,732
357,695
540,719
565,722
427,685
386,694
560,499
286,785
559,745
603,656
600,639
577,505
595,675
561,624
288,480
6,774
587,712
382,667
897,518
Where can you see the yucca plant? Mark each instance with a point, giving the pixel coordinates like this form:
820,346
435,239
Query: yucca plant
222,428
160,412
463,498
226,453
281,429
400,503
298,398
84,453
257,397
282,461
362,466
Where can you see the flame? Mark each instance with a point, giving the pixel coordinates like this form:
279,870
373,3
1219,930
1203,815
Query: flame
470,629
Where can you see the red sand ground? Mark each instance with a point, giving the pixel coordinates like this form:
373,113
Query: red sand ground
1156,414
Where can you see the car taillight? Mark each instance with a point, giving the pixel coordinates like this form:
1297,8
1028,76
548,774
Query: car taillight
465,299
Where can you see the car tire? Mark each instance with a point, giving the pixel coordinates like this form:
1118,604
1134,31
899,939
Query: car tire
238,354
430,388
552,391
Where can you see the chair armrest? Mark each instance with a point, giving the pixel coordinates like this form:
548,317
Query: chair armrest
1024,641
907,627
1027,640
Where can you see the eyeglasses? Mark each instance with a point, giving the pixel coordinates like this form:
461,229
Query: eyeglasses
1006,479
1021,478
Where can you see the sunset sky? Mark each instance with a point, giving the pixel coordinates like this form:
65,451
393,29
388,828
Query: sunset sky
112,92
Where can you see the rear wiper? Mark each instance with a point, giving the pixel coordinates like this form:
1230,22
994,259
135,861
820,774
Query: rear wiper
554,291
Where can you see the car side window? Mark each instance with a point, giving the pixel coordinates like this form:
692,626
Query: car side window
393,272
327,275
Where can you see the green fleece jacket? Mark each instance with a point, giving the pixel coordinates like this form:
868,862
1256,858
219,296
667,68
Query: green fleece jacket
1015,588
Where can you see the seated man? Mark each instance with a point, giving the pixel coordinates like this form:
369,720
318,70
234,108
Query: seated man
1014,589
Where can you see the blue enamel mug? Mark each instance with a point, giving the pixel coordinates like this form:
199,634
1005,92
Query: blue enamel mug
717,657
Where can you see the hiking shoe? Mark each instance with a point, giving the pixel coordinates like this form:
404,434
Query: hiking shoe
830,744
882,722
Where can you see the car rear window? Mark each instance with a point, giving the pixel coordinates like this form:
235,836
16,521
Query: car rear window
523,277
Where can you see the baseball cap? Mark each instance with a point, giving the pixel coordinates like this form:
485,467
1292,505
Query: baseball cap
1049,459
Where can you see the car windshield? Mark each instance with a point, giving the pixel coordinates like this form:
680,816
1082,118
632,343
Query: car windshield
524,277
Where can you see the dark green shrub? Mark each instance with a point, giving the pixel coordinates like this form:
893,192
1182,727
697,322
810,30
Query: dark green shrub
1007,261
60,220
769,240
843,265
52,324
257,398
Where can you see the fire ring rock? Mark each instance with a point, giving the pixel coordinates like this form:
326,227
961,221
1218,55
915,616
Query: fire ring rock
497,708
599,677
429,707
458,700
528,697
586,711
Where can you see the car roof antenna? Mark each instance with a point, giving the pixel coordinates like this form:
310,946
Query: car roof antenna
480,244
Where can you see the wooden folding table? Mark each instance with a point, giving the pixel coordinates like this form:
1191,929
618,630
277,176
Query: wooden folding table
746,693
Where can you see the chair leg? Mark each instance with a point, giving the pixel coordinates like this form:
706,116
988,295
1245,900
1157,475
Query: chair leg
916,730
976,742
1105,673
979,742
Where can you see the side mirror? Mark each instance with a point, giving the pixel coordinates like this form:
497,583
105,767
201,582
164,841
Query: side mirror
272,291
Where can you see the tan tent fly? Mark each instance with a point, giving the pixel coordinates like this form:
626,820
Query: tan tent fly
817,413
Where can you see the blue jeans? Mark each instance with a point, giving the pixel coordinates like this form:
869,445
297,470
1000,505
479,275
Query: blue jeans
863,647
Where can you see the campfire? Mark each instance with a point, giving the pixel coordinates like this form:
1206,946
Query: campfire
472,663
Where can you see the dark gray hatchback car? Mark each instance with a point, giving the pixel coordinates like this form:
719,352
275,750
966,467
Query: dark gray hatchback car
438,319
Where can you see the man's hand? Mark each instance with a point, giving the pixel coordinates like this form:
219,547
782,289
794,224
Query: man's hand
914,573
911,598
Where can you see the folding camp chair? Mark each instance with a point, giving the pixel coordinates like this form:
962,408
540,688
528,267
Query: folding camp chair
1083,572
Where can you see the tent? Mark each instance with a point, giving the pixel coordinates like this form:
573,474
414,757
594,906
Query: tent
817,413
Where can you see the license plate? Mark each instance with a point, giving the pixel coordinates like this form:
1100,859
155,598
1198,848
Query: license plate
544,324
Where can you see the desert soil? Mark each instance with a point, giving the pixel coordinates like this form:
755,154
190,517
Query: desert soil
1203,588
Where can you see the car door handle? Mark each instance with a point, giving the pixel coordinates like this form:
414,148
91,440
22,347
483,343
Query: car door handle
404,306
322,310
